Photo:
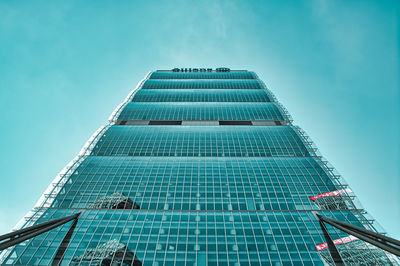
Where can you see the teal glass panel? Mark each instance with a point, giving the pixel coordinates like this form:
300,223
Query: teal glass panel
202,84
188,238
201,111
208,195
230,141
200,95
203,75
198,183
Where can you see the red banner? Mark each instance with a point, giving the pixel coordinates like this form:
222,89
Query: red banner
339,241
335,193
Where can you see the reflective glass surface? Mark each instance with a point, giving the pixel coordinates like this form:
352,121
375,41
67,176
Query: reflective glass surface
203,75
237,141
199,183
189,238
201,111
196,194
202,84
200,95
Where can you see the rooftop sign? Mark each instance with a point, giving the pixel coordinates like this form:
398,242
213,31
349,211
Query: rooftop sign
219,69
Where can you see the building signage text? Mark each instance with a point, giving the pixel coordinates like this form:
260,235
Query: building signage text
220,69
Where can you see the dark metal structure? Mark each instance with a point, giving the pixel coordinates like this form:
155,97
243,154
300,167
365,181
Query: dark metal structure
16,237
115,201
64,244
337,259
383,242
110,253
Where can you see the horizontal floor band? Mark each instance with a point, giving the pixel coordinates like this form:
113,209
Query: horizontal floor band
203,155
170,210
203,122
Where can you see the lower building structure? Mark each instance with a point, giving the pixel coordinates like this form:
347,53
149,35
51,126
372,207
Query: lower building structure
197,167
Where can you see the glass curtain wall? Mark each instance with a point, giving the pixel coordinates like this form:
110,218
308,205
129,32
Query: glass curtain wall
197,168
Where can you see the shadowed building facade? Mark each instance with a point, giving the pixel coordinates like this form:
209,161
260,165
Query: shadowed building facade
197,167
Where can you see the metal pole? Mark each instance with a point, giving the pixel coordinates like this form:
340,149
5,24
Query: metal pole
32,231
373,238
34,227
337,259
64,244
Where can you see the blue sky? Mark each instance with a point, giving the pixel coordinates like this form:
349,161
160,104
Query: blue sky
65,65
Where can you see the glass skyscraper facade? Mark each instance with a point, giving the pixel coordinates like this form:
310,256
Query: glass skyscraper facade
197,167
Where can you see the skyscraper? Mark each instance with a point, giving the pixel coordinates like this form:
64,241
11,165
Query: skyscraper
196,167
